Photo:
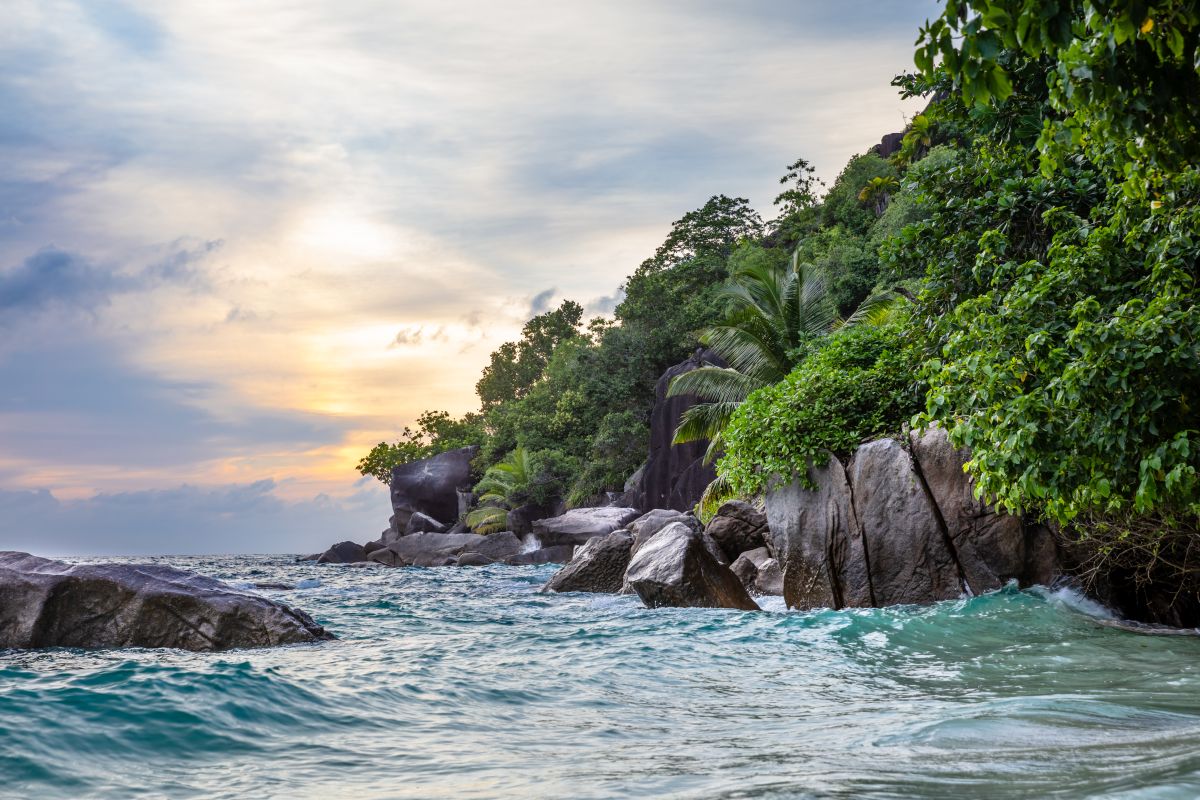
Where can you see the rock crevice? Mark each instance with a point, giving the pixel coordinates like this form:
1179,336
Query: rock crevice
899,523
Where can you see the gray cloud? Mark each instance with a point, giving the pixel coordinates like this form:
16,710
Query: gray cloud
541,301
233,518
606,304
54,278
79,401
415,335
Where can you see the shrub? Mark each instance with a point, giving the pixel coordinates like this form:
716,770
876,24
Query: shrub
859,385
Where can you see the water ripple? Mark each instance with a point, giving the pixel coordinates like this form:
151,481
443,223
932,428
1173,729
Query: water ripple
471,684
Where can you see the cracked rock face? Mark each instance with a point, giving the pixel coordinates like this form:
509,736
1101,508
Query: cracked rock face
899,524
45,603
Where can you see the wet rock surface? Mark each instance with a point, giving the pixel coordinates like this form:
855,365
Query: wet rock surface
674,568
898,524
46,603
597,566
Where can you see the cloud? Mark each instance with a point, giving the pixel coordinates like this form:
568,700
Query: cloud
232,518
605,304
54,278
242,286
541,301
415,335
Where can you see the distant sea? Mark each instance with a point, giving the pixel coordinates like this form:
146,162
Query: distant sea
468,683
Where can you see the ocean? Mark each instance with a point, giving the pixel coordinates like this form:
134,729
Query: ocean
469,683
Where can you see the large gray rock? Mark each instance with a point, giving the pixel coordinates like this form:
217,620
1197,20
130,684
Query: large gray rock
758,572
818,542
343,553
580,524
738,527
991,548
890,528
909,555
45,603
675,568
423,523
474,560
655,520
598,565
557,554
675,475
769,580
438,549
431,486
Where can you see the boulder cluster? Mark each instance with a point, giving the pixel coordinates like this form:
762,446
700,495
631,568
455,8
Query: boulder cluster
668,558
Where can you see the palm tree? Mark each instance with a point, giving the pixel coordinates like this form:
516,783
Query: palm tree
878,192
498,490
773,311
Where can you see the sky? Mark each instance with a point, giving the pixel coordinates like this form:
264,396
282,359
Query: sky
240,243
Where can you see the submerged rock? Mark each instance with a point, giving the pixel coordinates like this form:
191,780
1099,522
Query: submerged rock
45,603
441,549
343,553
474,560
674,568
580,524
558,554
597,566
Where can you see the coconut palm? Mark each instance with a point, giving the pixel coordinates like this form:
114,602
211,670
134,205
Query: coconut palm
497,491
773,311
878,192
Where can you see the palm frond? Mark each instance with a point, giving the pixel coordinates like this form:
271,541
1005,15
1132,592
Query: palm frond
875,310
487,519
713,384
703,421
715,495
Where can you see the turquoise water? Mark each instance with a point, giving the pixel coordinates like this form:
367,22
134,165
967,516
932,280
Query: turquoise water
468,683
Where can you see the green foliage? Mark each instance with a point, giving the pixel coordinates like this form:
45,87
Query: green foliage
846,260
501,487
521,477
1059,311
711,230
436,432
617,450
842,205
384,456
774,312
857,386
1123,77
516,366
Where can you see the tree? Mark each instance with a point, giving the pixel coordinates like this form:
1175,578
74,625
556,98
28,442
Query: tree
1123,77
774,312
516,366
877,193
711,230
802,189
499,490
436,432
